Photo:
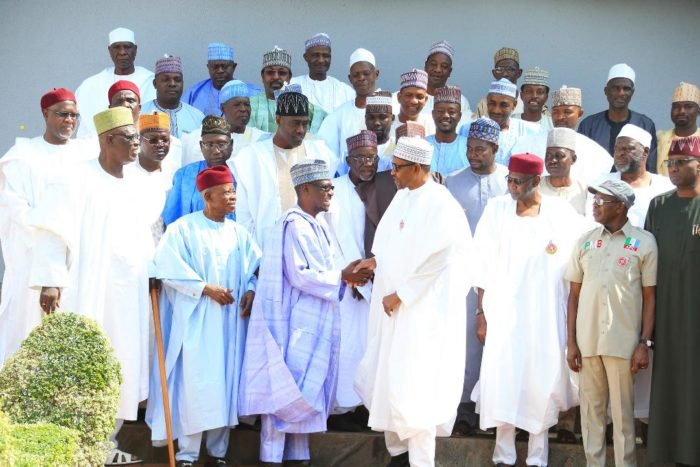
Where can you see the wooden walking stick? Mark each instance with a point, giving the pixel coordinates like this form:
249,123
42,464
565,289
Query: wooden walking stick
161,365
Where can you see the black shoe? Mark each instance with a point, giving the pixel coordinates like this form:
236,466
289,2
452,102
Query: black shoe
399,461
184,464
305,462
216,462
463,428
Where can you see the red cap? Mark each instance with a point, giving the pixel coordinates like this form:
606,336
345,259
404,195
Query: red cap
526,163
56,96
122,85
686,146
212,176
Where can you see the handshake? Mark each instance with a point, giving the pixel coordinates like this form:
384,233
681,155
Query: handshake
358,272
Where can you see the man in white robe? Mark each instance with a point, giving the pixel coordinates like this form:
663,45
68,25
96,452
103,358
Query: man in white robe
592,160
92,250
411,375
25,171
524,242
91,92
264,186
359,198
349,119
323,90
234,102
412,96
207,264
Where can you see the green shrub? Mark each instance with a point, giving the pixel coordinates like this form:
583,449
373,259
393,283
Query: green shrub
65,374
6,445
46,445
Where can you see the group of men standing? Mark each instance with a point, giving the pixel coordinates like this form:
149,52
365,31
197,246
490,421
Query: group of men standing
320,246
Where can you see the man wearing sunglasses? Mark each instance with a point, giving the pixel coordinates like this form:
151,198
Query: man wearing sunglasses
25,172
93,248
523,243
674,218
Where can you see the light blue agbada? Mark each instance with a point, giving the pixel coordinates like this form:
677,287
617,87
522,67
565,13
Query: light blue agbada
184,119
291,357
184,198
203,340
204,96
448,157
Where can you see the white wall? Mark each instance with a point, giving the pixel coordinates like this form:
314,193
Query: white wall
48,44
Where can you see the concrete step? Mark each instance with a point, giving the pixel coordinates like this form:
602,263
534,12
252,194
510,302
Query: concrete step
364,449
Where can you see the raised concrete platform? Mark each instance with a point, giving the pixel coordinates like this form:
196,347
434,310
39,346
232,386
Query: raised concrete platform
336,449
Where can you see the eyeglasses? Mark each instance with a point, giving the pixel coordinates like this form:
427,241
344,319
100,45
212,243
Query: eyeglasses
155,141
518,181
602,202
364,159
66,115
324,188
505,69
129,138
397,167
678,162
219,146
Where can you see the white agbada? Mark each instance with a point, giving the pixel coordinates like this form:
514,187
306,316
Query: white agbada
345,122
91,95
192,152
25,171
346,222
524,379
412,373
258,204
328,94
93,241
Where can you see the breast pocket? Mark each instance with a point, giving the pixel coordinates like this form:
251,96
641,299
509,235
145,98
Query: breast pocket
626,268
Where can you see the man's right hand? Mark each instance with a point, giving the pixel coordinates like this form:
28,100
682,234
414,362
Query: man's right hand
50,299
573,357
354,276
481,328
220,295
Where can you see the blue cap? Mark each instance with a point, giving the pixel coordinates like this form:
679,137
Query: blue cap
234,88
219,51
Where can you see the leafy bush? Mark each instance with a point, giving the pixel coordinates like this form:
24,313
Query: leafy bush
65,374
6,445
46,445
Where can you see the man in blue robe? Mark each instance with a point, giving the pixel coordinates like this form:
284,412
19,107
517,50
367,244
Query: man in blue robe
184,198
207,264
290,367
450,149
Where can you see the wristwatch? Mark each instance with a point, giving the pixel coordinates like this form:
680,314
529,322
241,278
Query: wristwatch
648,342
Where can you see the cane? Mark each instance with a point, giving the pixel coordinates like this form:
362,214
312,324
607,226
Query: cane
161,365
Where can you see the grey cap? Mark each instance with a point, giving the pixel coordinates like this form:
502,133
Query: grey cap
617,188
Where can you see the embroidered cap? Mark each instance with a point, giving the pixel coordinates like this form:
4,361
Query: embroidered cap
617,188
506,53
686,146
414,149
485,129
112,118
168,64
566,96
561,137
309,171
233,88
219,51
449,94
442,47
364,139
213,125
379,102
410,129
414,79
686,92
277,57
292,104
318,40
504,87
536,76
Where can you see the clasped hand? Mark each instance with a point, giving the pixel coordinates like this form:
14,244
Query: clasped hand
358,272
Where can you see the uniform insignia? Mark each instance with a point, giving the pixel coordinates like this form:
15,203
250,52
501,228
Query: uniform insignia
631,244
551,248
401,224
622,261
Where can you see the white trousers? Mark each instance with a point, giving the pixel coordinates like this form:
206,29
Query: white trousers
217,444
276,446
537,447
420,448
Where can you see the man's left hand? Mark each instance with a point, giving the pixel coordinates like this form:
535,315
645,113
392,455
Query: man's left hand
640,358
391,303
247,303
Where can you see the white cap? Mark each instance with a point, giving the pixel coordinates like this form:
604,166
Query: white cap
362,55
621,70
414,149
121,35
562,137
637,134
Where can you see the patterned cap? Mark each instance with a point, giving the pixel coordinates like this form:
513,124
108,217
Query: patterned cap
277,57
379,102
449,94
504,87
636,133
621,70
485,129
233,88
415,79
219,51
168,64
526,163
362,55
112,118
686,146
506,53
55,96
562,138
617,188
154,121
288,87
566,96
292,104
364,139
442,47
686,92
414,149
536,76
121,35
213,125
309,171
318,40
410,129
